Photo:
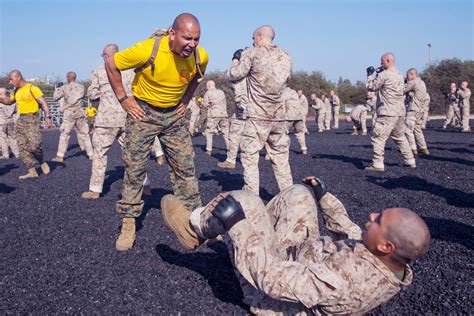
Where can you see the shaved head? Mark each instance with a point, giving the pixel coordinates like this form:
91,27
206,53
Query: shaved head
71,76
185,20
387,60
266,31
184,35
210,85
409,232
109,50
15,73
15,78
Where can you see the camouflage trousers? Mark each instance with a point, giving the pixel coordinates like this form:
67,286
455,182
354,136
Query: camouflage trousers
172,131
394,127
28,137
235,137
300,129
8,140
273,234
425,119
82,131
414,131
256,134
453,116
192,122
321,121
327,118
360,121
335,115
216,126
466,111
304,124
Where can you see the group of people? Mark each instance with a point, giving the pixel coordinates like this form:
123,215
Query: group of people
282,262
458,107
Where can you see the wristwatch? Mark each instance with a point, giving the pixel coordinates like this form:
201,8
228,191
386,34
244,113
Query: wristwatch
122,99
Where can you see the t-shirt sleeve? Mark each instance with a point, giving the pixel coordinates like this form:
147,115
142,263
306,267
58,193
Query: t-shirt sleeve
36,92
204,59
133,56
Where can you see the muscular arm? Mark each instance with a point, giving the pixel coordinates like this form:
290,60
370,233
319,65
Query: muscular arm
7,101
44,105
191,88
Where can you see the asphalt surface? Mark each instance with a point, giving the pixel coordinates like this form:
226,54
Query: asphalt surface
58,251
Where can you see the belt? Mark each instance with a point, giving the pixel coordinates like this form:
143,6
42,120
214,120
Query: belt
155,108
29,114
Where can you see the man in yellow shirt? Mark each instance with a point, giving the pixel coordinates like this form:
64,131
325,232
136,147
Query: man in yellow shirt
28,98
167,74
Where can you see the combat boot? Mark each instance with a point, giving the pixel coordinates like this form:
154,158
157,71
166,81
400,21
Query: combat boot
160,160
304,151
415,152
364,133
355,133
30,174
413,166
208,152
226,165
45,168
58,159
127,235
372,168
90,195
176,217
424,151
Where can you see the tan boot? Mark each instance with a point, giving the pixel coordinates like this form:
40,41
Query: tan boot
127,235
364,133
146,190
90,195
304,151
208,152
160,160
424,151
355,133
413,166
375,169
58,159
226,165
176,217
45,168
415,152
30,174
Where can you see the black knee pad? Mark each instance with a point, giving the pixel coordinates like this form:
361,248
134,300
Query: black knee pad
229,212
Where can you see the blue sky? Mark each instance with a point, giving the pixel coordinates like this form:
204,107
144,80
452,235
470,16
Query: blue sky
339,37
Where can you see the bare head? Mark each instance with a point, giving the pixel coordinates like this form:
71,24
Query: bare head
109,50
396,235
210,85
3,93
15,78
332,92
464,85
300,93
412,74
387,60
370,94
453,86
71,76
184,35
313,96
263,36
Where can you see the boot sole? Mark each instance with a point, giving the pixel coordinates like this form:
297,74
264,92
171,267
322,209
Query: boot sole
185,243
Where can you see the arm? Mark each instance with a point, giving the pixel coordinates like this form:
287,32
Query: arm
240,69
188,94
7,100
42,102
410,86
375,83
58,93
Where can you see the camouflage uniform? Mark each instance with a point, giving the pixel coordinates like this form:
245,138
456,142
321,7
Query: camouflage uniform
304,104
464,96
217,117
7,130
426,110
73,117
320,108
327,119
295,112
266,69
359,117
372,104
416,90
193,107
285,267
453,115
335,103
390,121
28,137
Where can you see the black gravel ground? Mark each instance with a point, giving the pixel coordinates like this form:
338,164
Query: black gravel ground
58,251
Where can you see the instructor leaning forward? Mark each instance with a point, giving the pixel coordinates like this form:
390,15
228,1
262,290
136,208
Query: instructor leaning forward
162,87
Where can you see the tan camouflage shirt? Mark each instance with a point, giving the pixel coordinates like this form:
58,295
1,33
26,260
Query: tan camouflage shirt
215,102
241,98
358,110
464,96
304,103
72,103
294,109
418,87
319,106
110,113
8,113
335,100
193,107
390,84
267,69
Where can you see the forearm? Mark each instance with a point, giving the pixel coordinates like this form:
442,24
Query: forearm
336,218
238,70
115,78
6,101
188,94
44,106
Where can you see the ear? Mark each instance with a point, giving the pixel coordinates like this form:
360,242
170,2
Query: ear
386,247
172,34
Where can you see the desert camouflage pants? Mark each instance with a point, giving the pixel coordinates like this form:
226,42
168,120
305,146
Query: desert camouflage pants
300,129
335,115
216,126
425,118
256,134
28,137
394,127
235,137
304,124
273,234
172,131
327,117
360,122
321,121
414,131
82,132
193,120
8,140
453,116
466,111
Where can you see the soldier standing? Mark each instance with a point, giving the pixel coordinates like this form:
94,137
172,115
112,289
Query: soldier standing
320,108
464,94
453,115
194,110
327,106
336,104
304,104
8,116
73,116
295,113
28,99
217,117
267,69
390,121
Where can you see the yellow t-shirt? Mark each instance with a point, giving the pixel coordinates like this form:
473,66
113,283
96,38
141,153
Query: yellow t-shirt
171,76
24,98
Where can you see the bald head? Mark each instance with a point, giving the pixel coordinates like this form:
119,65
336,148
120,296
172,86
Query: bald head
71,76
109,50
3,93
184,21
408,232
411,74
210,85
15,73
387,60
15,78
264,35
184,35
